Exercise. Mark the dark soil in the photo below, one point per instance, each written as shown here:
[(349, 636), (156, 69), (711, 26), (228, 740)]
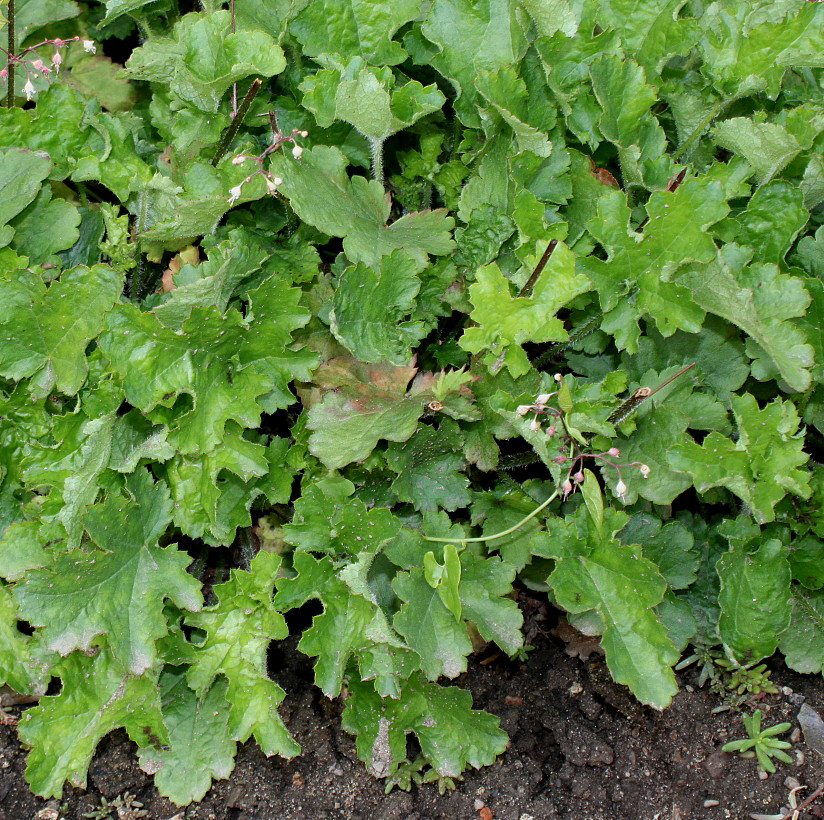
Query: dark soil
[(582, 749)]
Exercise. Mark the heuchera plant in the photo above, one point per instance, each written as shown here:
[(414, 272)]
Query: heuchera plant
[(401, 307)]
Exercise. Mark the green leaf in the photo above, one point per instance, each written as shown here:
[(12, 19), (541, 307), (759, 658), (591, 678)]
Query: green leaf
[(22, 173), (429, 468), (23, 663), (370, 307), (759, 300), (638, 276), (212, 282), (356, 209), (371, 100), (97, 76), (81, 488), (429, 627), (354, 28), (593, 499), (506, 322), (768, 147), (44, 336), (232, 367), (619, 84), (350, 626), (239, 628), (118, 590), (596, 572), (452, 735), (473, 36), (773, 218), (754, 599), (669, 547), (760, 466), (803, 641), (45, 227), (200, 745), (530, 119), (97, 696), (204, 57), (362, 406)]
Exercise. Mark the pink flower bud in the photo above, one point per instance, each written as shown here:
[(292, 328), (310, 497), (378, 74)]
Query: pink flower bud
[(559, 459), (578, 477), (38, 64), (566, 487), (614, 451), (550, 431), (4, 72)]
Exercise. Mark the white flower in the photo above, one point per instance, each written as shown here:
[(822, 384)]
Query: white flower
[(644, 468), (296, 151), (544, 398), (234, 194), (88, 45), (558, 377), (238, 160), (621, 489), (277, 180), (535, 424), (57, 60), (29, 90), (271, 185), (304, 134), (523, 409)]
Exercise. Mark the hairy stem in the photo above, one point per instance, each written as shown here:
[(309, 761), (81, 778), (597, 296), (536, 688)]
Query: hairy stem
[(376, 147)]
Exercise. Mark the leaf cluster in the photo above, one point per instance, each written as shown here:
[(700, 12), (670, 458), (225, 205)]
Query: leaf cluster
[(386, 312)]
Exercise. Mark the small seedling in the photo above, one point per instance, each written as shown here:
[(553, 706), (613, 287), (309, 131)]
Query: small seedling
[(761, 743), (743, 679)]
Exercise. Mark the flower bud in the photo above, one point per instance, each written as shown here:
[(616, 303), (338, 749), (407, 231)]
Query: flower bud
[(296, 151), (644, 468), (566, 487), (29, 90), (238, 160), (543, 398), (578, 477), (57, 60), (277, 180), (620, 488), (234, 194), (89, 46), (550, 431), (535, 424), (614, 451), (271, 186), (304, 134), (558, 377), (38, 65), (4, 72), (523, 409)]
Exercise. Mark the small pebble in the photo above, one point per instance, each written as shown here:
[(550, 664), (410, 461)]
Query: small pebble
[(796, 735), (575, 689), (791, 783), (762, 775), (708, 804), (800, 757), (526, 817), (787, 690), (478, 804), (796, 698)]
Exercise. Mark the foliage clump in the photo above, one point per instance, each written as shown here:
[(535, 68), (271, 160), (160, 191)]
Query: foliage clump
[(397, 310)]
